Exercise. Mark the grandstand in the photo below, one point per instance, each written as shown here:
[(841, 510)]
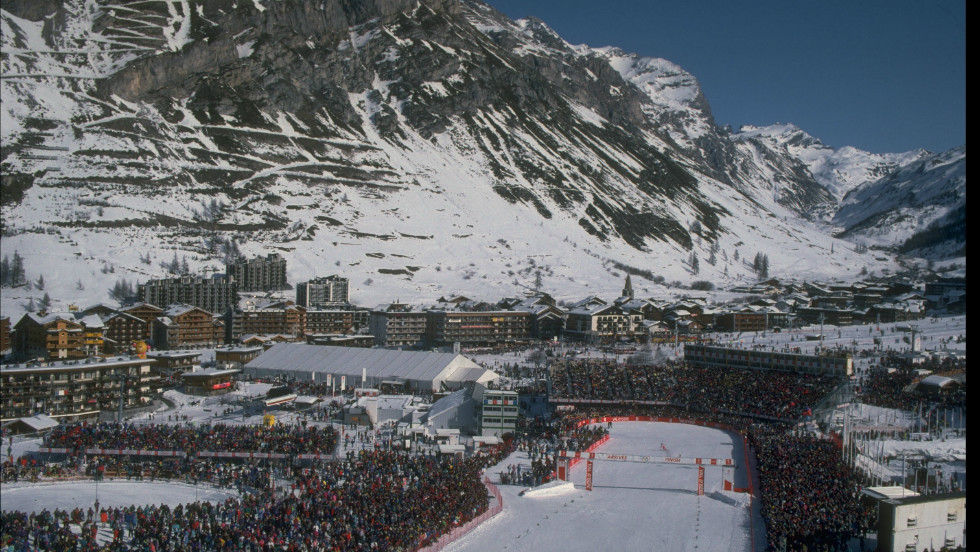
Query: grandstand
[(726, 357)]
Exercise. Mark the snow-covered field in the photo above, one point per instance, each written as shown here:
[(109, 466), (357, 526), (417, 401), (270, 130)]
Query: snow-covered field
[(26, 497)]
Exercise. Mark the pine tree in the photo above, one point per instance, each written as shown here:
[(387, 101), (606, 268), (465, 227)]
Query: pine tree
[(46, 302), (17, 275), (40, 282), (173, 266), (5, 271), (122, 290), (209, 216)]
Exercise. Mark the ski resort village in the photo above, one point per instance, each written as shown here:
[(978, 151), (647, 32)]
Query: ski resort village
[(234, 413), (414, 276)]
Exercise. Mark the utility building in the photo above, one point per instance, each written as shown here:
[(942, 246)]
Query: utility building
[(922, 523)]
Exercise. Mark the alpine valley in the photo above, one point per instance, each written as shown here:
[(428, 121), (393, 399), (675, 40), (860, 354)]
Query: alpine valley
[(420, 148)]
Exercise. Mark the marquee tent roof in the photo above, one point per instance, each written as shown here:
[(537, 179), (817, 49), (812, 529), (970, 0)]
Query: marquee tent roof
[(424, 368)]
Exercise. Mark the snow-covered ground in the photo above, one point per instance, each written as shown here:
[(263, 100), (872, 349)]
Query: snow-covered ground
[(632, 506), (26, 497)]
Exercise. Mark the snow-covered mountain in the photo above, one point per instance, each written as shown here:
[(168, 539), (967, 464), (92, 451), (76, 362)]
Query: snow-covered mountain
[(418, 147), (912, 202), (840, 170), (921, 206)]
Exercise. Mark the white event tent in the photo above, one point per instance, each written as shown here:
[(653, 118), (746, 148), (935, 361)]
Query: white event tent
[(418, 370)]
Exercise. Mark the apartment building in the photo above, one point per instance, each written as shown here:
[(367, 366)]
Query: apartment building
[(215, 294), (337, 321), (322, 292), (4, 334), (275, 318), (259, 274), (50, 336), (187, 326), (478, 327), (596, 323), (74, 389), (122, 330), (146, 312), (398, 325)]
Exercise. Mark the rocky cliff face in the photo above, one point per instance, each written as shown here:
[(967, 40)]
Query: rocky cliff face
[(378, 123)]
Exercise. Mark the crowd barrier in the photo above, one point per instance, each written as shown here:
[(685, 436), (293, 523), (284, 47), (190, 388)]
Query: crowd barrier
[(182, 454), (618, 402), (133, 452)]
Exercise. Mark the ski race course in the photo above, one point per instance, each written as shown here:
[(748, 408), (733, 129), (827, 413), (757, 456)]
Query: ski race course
[(633, 505)]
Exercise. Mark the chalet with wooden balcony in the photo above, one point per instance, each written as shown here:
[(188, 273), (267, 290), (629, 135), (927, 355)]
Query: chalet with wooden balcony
[(185, 326), (49, 336)]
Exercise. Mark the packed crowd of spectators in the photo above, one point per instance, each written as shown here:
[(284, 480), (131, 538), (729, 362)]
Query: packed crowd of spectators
[(888, 390), (375, 500), (810, 497), (894, 389), (782, 395), (286, 439)]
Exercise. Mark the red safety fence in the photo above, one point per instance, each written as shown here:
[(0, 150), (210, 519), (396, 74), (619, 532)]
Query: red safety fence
[(130, 452), (180, 453), (229, 454)]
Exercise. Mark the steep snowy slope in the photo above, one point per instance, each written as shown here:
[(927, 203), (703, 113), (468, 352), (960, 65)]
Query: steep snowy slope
[(419, 148)]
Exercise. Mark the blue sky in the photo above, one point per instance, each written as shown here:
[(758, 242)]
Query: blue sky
[(882, 76)]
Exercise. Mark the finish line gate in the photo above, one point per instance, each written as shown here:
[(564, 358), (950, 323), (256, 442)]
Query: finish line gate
[(566, 459)]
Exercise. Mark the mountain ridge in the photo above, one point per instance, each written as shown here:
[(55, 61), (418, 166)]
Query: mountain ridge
[(403, 131)]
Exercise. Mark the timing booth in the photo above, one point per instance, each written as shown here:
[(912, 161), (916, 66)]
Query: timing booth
[(209, 382)]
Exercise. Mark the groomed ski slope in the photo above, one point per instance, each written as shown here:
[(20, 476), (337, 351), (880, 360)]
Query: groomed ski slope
[(633, 506)]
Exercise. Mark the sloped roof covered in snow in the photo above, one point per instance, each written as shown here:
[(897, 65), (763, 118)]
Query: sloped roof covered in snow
[(935, 381), (450, 401), (40, 422)]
